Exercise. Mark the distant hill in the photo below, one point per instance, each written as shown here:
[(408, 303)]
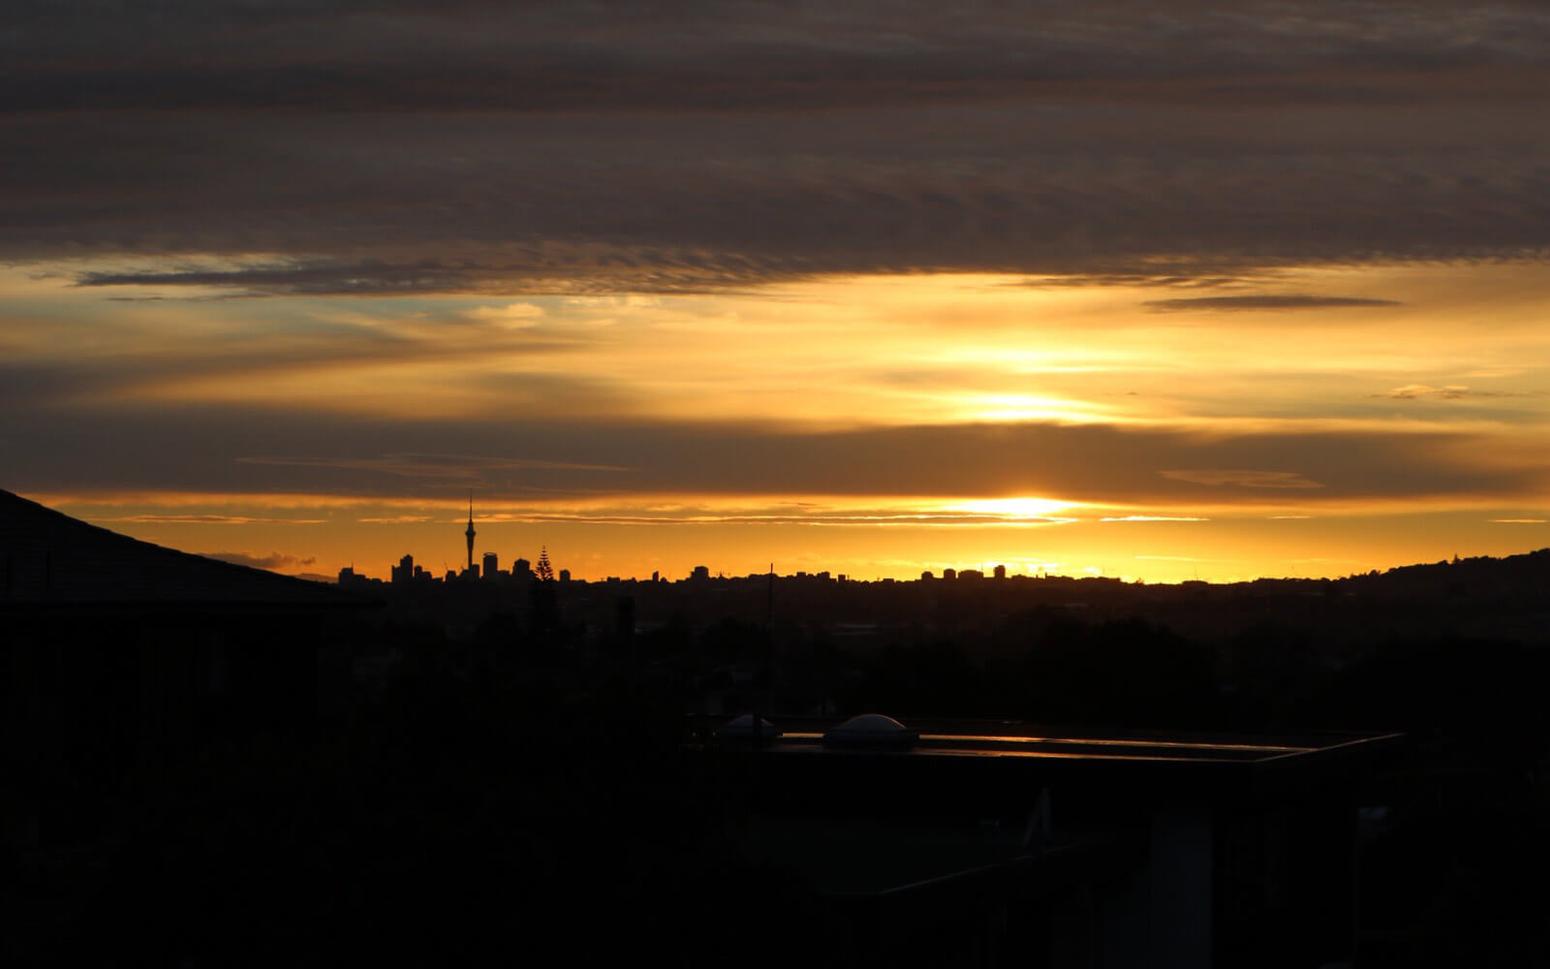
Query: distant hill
[(1513, 577), (49, 557)]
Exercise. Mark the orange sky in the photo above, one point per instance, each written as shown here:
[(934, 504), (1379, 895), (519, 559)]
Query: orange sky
[(1366, 429)]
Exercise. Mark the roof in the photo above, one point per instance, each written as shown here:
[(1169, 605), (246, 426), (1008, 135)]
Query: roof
[(48, 558), (1139, 756)]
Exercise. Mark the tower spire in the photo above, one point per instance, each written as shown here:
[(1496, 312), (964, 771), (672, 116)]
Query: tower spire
[(469, 533)]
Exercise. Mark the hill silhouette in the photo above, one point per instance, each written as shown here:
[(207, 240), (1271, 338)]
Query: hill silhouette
[(49, 557)]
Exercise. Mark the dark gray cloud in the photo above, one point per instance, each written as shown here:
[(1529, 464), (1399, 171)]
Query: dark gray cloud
[(213, 449), (1264, 302), (579, 55), (430, 467), (411, 147), (1240, 478)]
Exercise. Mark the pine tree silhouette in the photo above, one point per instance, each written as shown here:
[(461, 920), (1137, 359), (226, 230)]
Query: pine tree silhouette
[(543, 569)]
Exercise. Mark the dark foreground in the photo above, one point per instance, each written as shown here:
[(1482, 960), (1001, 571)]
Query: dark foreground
[(348, 782)]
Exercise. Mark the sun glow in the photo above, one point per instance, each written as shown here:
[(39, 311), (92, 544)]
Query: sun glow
[(870, 425), (1032, 509)]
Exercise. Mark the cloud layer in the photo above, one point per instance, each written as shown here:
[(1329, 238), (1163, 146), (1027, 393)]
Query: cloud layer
[(219, 449), (391, 148)]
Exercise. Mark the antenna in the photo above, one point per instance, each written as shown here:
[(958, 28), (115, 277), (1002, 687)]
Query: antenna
[(769, 655)]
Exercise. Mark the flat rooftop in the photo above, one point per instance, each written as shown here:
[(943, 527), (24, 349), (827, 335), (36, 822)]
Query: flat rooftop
[(961, 738), (1118, 754)]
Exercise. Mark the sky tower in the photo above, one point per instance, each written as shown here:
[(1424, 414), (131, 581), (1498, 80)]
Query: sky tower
[(469, 532)]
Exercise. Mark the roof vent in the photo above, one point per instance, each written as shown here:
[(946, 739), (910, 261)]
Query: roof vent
[(742, 728), (871, 731)]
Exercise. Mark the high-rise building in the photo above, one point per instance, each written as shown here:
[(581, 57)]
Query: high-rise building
[(404, 570), (1000, 572), (522, 569), (492, 565)]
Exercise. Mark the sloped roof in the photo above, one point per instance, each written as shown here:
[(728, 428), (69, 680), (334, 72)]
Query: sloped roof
[(48, 557)]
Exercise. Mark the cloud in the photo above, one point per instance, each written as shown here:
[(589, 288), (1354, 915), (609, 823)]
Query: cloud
[(1263, 302), (212, 520), (410, 147), (459, 467), (1520, 521), (474, 55), (1187, 274), (515, 315), (1448, 392), (1154, 518), (203, 450), (300, 277), (272, 561), (1243, 479), (781, 515)]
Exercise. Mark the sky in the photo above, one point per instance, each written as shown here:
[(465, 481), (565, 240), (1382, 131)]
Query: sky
[(1148, 291)]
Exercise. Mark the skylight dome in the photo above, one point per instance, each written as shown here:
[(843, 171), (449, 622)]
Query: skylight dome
[(871, 730)]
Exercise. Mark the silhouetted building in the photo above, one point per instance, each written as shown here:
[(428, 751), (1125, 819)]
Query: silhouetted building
[(700, 573), (949, 573), (1000, 572), (565, 576), (350, 579), (522, 569), (492, 565), (404, 571)]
